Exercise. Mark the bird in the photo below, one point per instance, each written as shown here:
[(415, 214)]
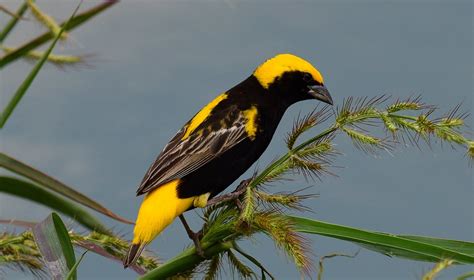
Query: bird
[(220, 143)]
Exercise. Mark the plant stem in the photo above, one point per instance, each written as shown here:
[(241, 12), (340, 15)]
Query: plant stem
[(185, 261), (404, 117)]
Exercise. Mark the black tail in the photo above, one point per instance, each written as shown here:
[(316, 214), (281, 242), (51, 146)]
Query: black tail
[(133, 254)]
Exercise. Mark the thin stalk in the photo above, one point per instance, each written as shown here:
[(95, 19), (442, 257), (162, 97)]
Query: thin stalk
[(13, 21), (45, 19)]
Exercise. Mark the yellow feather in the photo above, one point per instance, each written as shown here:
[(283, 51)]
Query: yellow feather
[(276, 66), (158, 210), (251, 124), (203, 115), (201, 201)]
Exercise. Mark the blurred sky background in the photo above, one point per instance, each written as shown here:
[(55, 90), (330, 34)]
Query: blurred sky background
[(156, 63)]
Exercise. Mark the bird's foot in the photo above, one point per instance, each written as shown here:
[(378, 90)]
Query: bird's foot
[(233, 196)]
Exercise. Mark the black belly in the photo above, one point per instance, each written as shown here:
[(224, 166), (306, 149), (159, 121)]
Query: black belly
[(221, 172)]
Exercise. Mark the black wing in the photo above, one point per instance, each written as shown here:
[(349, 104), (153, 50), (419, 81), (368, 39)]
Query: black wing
[(181, 157)]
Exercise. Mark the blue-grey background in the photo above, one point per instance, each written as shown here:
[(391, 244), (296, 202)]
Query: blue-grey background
[(156, 63)]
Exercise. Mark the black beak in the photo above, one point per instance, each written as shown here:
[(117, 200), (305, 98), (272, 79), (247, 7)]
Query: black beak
[(320, 93)]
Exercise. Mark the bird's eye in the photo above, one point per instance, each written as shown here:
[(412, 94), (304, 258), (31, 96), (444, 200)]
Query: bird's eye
[(307, 77)]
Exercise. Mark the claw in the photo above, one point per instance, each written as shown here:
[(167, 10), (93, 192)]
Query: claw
[(241, 188), (238, 203)]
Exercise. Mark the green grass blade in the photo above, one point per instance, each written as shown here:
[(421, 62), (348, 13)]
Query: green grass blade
[(54, 185), (39, 195), (72, 273), (53, 242), (29, 79), (13, 21), (45, 37), (410, 247)]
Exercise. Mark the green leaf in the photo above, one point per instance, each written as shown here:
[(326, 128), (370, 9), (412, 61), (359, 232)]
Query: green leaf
[(39, 195), (40, 40), (54, 185), (53, 241), (29, 79), (411, 247)]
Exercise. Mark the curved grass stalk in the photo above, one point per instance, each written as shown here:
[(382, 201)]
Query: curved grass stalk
[(55, 59), (13, 21), (46, 20)]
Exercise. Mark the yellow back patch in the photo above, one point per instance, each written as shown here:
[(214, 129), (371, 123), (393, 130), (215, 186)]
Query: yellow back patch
[(273, 68), (200, 117), (158, 210), (251, 124)]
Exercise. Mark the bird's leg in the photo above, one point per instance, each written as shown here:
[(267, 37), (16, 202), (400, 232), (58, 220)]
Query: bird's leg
[(194, 236), (241, 188)]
